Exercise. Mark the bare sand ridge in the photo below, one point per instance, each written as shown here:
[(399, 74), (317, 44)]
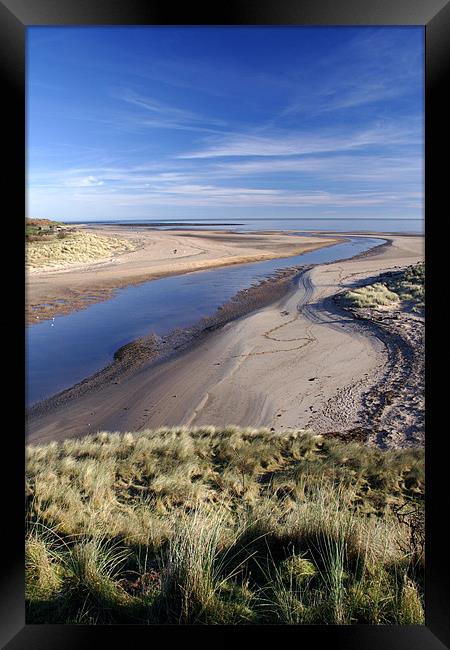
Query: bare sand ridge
[(301, 362), (157, 254)]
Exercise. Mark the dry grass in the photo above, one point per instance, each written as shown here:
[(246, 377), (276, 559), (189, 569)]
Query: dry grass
[(403, 287), (373, 295), (74, 248), (222, 526)]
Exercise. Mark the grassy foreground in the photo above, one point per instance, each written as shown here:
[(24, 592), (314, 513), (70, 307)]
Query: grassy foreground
[(223, 527)]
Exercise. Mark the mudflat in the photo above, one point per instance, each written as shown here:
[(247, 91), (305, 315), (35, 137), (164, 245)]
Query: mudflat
[(156, 254), (301, 362)]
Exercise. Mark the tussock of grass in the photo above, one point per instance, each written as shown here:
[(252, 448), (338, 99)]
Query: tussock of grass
[(405, 286), (372, 295), (74, 248), (222, 526), (43, 572)]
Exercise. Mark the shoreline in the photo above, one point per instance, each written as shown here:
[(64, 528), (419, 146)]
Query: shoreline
[(393, 407), (152, 349), (59, 292), (300, 362)]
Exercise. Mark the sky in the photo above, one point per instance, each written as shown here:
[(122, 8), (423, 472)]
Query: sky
[(225, 122)]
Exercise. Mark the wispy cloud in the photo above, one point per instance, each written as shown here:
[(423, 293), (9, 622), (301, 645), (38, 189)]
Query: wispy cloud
[(164, 115), (402, 168), (303, 143), (318, 121), (87, 181), (125, 188), (370, 69)]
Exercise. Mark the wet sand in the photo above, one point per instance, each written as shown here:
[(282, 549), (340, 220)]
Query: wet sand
[(56, 292), (299, 362)]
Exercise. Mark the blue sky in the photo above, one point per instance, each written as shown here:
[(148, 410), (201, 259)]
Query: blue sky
[(224, 122)]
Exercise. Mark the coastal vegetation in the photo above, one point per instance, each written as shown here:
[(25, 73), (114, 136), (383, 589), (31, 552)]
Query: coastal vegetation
[(372, 295), (409, 284), (41, 228), (223, 526), (406, 287), (55, 245)]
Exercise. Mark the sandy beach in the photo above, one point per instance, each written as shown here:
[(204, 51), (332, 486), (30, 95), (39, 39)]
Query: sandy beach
[(157, 254), (301, 362)]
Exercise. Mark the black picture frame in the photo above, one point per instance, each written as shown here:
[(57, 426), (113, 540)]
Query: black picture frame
[(434, 16)]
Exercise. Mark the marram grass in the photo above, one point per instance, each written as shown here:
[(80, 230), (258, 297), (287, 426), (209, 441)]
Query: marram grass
[(405, 287), (76, 248), (223, 526)]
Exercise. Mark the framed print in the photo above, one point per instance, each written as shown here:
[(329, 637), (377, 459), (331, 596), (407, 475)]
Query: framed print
[(228, 351)]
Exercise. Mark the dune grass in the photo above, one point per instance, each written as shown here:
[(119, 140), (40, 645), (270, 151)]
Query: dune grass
[(373, 295), (72, 248), (407, 286), (223, 526)]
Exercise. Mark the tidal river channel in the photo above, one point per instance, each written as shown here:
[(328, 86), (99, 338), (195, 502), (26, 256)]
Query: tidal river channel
[(62, 352)]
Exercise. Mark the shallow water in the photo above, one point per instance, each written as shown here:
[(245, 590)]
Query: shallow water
[(415, 226), (64, 351)]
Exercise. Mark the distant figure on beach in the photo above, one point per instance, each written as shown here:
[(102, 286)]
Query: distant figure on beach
[(175, 250)]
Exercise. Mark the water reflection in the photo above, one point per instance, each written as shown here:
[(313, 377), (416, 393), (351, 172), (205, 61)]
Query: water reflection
[(62, 352)]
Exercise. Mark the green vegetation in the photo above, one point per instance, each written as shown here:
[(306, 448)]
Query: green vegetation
[(41, 229), (410, 285), (223, 526), (406, 286)]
